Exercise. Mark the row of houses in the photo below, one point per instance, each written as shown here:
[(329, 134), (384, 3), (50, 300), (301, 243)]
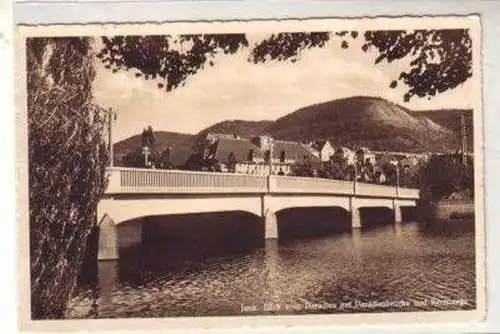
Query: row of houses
[(262, 154), (324, 150), (258, 155)]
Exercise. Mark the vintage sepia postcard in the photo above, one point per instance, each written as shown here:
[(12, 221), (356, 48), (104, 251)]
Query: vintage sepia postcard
[(250, 173)]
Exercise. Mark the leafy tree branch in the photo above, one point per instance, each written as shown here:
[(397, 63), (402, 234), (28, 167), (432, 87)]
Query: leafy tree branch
[(440, 59)]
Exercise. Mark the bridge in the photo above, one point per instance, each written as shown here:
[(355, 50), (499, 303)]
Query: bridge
[(135, 193)]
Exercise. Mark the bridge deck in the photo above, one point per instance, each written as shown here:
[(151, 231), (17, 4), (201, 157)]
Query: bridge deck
[(144, 181)]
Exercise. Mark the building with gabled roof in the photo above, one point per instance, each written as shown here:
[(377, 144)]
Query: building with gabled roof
[(324, 149), (252, 156), (292, 152)]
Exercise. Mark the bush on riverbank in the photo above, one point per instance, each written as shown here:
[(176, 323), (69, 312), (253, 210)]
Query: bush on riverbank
[(444, 176), (441, 178), (67, 159)]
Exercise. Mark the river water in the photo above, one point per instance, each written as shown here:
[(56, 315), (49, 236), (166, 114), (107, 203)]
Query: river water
[(402, 267)]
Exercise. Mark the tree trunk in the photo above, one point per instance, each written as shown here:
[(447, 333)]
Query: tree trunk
[(67, 160)]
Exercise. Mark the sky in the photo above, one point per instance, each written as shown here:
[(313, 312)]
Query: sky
[(237, 89)]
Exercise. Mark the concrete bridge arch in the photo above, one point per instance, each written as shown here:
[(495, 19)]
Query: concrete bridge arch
[(117, 211), (136, 193), (120, 210)]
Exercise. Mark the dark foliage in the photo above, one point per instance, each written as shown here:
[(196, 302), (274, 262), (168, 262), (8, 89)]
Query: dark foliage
[(304, 170), (134, 158), (445, 175), (67, 160), (195, 162), (165, 161), (440, 59), (337, 167), (137, 156), (148, 138), (163, 140), (170, 60), (286, 46)]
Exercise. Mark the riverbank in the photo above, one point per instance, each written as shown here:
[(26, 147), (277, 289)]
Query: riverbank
[(450, 209)]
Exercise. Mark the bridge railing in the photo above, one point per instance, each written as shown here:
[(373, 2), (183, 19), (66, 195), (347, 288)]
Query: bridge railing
[(367, 189), (295, 184), (154, 180), (408, 193), (134, 180)]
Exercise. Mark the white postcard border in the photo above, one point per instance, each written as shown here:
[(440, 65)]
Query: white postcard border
[(23, 31)]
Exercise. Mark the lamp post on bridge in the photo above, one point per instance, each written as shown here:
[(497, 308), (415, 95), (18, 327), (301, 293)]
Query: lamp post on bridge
[(355, 174), (111, 116), (269, 176), (146, 152), (396, 164), (271, 144)]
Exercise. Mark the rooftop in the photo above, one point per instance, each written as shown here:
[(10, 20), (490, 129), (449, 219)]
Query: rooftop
[(241, 148)]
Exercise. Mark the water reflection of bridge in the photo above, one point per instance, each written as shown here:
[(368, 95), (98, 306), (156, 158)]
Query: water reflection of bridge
[(136, 193)]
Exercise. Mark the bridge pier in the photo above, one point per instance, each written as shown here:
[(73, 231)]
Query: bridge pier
[(355, 214), (111, 237), (398, 218), (270, 219), (108, 240), (270, 225)]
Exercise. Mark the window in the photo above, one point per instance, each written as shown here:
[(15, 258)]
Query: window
[(282, 156)]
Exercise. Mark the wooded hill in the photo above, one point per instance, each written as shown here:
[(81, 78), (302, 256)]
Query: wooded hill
[(356, 121)]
